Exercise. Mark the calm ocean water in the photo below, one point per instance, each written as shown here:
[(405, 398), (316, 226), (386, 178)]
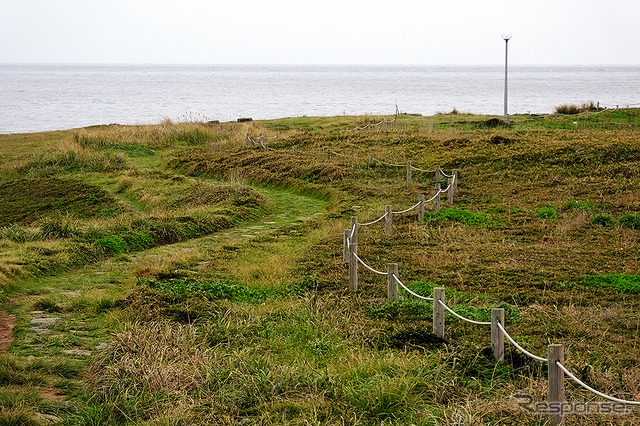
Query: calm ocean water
[(51, 97)]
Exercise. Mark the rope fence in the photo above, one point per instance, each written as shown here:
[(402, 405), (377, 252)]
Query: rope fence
[(439, 174), (369, 267), (374, 124), (395, 277), (555, 352), (460, 316), (589, 388), (450, 190), (520, 348)]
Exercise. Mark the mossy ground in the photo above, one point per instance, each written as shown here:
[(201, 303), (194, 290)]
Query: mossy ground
[(176, 274)]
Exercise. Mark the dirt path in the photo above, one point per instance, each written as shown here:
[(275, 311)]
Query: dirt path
[(288, 209), (7, 322)]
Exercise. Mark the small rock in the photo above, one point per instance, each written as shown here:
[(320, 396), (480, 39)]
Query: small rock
[(76, 352), (44, 321), (47, 418)]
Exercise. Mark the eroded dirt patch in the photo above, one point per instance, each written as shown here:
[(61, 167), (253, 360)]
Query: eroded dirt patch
[(7, 322)]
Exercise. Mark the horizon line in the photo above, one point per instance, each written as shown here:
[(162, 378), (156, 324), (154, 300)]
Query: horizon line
[(306, 64)]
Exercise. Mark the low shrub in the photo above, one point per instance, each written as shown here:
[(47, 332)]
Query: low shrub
[(114, 244), (567, 109), (630, 221), (603, 220), (576, 109), (139, 241)]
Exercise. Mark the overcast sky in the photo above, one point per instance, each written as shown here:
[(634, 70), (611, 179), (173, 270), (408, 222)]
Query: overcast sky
[(442, 32)]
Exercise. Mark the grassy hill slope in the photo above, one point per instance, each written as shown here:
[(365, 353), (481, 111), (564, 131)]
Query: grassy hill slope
[(191, 273)]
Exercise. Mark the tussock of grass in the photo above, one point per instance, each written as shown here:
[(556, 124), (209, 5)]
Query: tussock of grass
[(157, 357), (548, 212)]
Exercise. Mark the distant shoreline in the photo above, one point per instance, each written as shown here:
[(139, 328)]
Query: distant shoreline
[(55, 97)]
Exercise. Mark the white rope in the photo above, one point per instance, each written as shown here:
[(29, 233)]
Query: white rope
[(444, 174), (410, 292), (433, 198), (375, 221), (258, 142), (520, 348), (442, 191), (367, 266), (374, 125), (589, 388), (420, 170), (409, 209), (353, 230), (403, 211), (388, 164), (460, 316)]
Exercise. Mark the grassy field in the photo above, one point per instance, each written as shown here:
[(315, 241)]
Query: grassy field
[(179, 274)]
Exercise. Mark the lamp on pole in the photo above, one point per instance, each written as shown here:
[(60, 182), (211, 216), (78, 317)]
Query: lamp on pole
[(506, 36)]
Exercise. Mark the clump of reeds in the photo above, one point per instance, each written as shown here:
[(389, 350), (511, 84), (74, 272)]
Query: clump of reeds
[(576, 109)]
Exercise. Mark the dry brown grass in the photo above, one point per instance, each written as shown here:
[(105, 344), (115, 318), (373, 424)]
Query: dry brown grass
[(152, 357)]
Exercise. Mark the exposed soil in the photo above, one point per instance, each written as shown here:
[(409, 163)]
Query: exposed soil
[(7, 322)]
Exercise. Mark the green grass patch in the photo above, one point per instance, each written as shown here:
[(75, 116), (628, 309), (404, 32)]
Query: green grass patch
[(582, 206), (403, 309), (455, 214), (135, 150), (227, 290), (548, 212), (624, 283)]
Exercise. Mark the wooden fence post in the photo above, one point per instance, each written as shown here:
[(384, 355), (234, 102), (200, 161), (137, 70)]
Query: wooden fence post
[(436, 201), (497, 338), (409, 172), (345, 245), (454, 172), (438, 312), (388, 220), (392, 287), (450, 189), (438, 174), (354, 226), (353, 267), (421, 199), (556, 383)]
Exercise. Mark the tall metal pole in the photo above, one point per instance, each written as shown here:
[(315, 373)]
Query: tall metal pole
[(506, 36), (506, 85)]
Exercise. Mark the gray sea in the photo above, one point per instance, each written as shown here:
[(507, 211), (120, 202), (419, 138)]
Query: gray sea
[(52, 97)]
